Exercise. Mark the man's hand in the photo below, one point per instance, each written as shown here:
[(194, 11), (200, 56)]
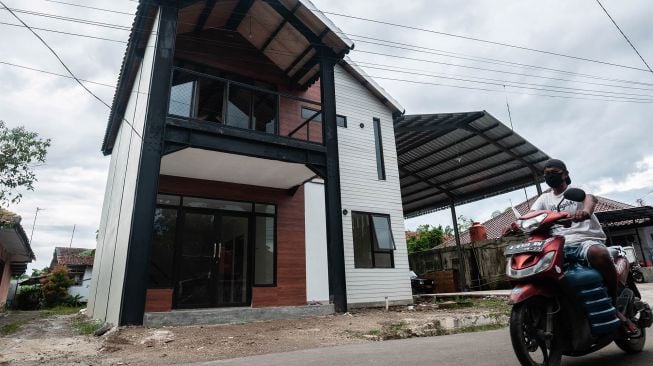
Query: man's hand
[(581, 215)]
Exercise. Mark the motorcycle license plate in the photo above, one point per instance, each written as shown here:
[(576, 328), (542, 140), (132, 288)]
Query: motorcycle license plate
[(530, 247)]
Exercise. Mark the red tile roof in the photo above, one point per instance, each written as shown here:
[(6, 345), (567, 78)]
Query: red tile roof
[(72, 256), (496, 225)]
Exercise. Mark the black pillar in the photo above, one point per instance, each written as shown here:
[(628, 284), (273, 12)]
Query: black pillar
[(138, 254), (538, 186), (459, 249), (335, 246)]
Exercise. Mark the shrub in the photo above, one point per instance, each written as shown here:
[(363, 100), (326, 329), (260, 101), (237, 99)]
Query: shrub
[(28, 297), (55, 286)]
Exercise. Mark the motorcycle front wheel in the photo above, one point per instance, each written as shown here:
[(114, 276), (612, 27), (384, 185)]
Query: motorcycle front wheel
[(530, 341)]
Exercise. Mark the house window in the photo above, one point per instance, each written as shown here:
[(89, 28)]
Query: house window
[(181, 99), (251, 109), (380, 165), (77, 274), (373, 241), (307, 113), (264, 254)]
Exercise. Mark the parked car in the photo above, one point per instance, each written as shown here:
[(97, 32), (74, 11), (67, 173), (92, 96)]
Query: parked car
[(421, 285)]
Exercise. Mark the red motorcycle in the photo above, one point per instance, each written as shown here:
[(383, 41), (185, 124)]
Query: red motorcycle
[(560, 305)]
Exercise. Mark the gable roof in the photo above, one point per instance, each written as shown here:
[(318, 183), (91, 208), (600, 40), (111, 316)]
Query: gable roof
[(307, 19), (72, 257), (13, 237), (496, 225)]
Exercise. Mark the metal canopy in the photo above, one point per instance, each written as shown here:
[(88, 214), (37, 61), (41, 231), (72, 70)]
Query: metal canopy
[(457, 158), (631, 217)]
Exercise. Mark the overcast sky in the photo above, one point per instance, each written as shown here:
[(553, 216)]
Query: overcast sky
[(606, 144)]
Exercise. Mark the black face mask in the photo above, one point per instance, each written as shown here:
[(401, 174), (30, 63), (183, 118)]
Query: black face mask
[(553, 180)]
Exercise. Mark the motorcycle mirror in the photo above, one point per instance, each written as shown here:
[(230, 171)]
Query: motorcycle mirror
[(575, 194)]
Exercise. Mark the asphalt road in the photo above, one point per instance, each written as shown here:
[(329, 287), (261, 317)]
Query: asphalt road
[(483, 348)]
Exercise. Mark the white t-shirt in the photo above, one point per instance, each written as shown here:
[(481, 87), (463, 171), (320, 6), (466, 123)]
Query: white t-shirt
[(578, 231)]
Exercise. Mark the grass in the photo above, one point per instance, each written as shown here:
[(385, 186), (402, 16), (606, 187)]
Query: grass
[(10, 328), (61, 310), (86, 326)]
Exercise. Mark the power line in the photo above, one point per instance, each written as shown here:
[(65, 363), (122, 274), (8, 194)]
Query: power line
[(67, 33), (471, 58), (503, 81), (393, 24), (499, 82), (624, 34), (391, 44), (481, 40), (64, 64), (501, 91)]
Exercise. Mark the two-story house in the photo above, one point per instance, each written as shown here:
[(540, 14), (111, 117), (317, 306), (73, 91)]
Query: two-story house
[(253, 166)]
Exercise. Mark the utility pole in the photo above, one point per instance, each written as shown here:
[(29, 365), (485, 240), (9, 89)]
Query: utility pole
[(34, 223), (72, 236)]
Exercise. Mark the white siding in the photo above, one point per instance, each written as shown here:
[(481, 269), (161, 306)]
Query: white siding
[(361, 190), (115, 227), (317, 266)]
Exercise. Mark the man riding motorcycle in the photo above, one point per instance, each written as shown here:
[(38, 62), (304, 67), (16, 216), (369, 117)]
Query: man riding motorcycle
[(585, 232)]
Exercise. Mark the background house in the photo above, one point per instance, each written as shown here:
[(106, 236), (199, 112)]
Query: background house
[(79, 262), (15, 251)]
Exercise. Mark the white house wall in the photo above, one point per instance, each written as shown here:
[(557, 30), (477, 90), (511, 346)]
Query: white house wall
[(115, 227), (83, 289), (317, 265), (361, 190)]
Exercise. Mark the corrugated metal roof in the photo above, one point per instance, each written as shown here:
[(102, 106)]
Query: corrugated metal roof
[(633, 216), (460, 157)]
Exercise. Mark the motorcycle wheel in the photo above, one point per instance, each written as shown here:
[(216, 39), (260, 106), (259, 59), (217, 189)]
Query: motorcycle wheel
[(527, 327), (633, 345), (638, 277)]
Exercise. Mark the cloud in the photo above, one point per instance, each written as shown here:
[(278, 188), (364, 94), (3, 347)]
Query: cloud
[(641, 178)]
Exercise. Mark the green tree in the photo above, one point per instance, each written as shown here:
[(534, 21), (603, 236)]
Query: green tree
[(464, 223), (20, 152), (426, 237), (55, 286)]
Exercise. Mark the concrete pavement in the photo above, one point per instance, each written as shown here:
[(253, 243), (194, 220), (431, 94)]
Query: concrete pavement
[(483, 348)]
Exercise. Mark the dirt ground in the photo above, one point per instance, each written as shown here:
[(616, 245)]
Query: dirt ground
[(51, 340)]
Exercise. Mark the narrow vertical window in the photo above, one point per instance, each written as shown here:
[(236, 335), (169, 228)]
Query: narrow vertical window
[(380, 165)]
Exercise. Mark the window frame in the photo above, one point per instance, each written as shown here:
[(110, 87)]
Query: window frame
[(374, 249), (378, 144)]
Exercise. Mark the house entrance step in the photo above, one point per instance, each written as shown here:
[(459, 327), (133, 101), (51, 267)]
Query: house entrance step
[(233, 315)]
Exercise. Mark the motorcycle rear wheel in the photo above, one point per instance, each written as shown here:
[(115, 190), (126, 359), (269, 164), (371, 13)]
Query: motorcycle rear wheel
[(527, 325), (633, 345)]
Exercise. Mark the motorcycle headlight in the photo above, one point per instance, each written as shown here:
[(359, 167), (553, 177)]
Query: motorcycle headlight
[(542, 265), (528, 225)]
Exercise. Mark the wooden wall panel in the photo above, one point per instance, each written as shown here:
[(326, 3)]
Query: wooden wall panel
[(158, 300)]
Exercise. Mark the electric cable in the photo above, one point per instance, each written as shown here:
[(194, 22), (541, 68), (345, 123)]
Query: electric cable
[(64, 64), (625, 36)]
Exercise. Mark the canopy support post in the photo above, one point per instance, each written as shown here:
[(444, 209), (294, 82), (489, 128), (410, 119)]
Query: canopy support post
[(461, 259)]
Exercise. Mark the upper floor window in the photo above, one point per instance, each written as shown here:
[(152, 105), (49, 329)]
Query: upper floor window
[(380, 164), (373, 240), (307, 113)]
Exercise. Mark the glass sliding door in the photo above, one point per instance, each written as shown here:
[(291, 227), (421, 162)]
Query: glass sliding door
[(231, 284), (196, 261)]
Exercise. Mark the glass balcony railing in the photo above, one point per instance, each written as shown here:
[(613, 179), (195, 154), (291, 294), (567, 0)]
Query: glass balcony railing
[(213, 99)]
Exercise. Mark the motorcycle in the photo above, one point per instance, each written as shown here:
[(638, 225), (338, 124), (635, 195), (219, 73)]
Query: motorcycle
[(560, 306)]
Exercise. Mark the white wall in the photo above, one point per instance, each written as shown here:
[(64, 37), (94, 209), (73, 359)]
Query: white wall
[(83, 289), (105, 296), (317, 266), (362, 191)]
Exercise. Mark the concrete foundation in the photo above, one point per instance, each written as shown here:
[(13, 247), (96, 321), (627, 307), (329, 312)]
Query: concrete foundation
[(233, 315)]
